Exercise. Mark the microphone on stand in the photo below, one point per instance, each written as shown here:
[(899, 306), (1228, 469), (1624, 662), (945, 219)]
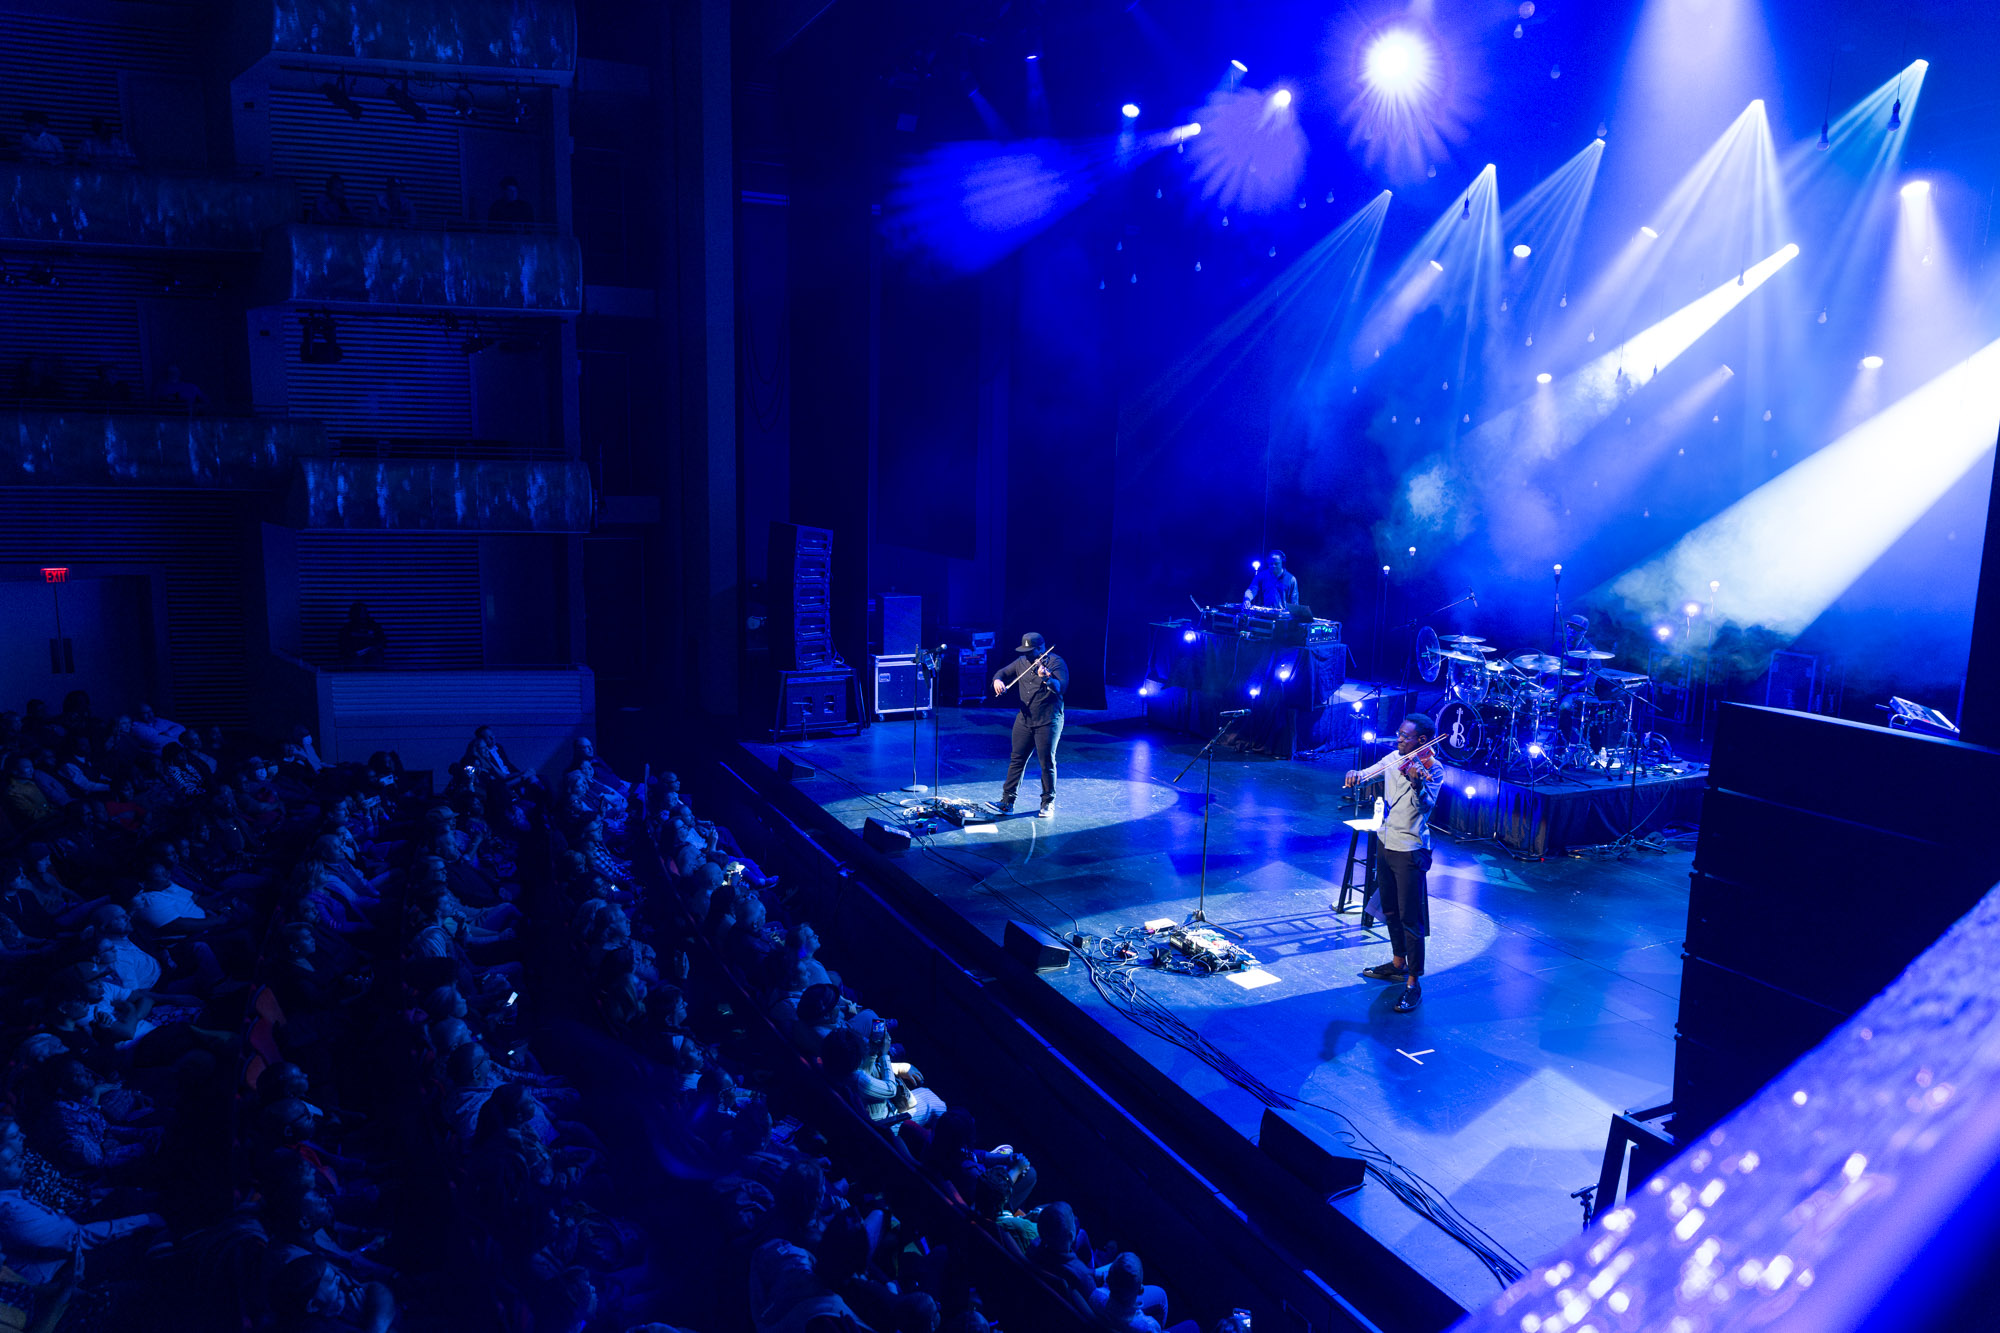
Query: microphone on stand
[(1474, 596), (1235, 712)]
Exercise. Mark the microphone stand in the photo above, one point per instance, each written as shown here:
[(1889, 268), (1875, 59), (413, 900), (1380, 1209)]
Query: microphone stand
[(916, 784), (1207, 752)]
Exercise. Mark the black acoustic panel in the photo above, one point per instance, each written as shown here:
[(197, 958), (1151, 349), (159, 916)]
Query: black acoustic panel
[(1324, 1173), (1857, 772), (1031, 950)]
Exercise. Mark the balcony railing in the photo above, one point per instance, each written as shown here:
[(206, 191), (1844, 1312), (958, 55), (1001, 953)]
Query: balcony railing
[(92, 447), (88, 205), (520, 35), (461, 270), (416, 496)]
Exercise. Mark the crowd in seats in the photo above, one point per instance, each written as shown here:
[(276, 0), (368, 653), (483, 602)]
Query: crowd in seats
[(391, 206), (299, 1045), (103, 148)]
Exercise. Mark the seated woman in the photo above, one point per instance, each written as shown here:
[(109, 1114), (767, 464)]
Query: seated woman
[(860, 1066)]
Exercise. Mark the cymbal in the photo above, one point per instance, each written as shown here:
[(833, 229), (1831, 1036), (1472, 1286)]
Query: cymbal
[(1594, 654), (1569, 674), (1454, 655), (1502, 665), (1460, 638), (1538, 662)]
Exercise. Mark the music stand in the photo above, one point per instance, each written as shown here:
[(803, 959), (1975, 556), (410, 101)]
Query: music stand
[(1207, 751)]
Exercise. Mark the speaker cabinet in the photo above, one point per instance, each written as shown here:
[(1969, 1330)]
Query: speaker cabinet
[(1031, 950), (891, 842), (1322, 1172)]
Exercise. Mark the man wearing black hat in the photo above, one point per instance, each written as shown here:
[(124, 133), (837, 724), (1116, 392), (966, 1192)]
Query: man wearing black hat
[(1040, 678)]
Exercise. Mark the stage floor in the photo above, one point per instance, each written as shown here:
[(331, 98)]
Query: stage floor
[(1550, 1002)]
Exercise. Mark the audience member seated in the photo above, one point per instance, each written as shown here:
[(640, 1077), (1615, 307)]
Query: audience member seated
[(332, 208), (362, 641), (180, 393), (393, 208), (510, 208), (105, 148), (38, 142)]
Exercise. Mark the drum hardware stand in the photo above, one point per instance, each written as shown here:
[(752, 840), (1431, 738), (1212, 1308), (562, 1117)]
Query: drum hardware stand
[(1200, 912)]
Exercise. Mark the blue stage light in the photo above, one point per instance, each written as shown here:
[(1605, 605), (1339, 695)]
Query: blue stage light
[(1871, 363), (1522, 251), (1130, 110), (1189, 636), (1284, 673), (1649, 233), (1146, 689), (1256, 564), (1916, 189), (1439, 267), (1471, 790), (1534, 750), (1664, 631), (1241, 68), (1368, 737), (1398, 63), (1256, 690), (1357, 705), (1691, 610), (1282, 98)]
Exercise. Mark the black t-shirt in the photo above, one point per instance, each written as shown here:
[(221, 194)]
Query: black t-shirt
[(1041, 697)]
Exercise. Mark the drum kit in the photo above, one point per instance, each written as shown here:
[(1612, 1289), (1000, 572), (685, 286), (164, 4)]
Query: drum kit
[(1535, 713)]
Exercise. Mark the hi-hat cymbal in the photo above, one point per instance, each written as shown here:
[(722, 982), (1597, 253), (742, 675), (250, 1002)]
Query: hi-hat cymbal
[(1460, 638), (1454, 655), (1594, 654), (1538, 662)]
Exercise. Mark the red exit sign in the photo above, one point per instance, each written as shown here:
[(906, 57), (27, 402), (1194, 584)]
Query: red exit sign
[(55, 573)]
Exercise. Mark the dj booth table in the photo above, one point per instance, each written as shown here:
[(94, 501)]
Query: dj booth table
[(1293, 691)]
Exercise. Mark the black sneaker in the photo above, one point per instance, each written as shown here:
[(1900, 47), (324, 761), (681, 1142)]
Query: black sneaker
[(1408, 1001), (1001, 807), (1386, 972)]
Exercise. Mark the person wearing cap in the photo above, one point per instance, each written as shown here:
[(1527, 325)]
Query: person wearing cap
[(1040, 679)]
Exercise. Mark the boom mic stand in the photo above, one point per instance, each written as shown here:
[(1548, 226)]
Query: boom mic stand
[(1207, 752)]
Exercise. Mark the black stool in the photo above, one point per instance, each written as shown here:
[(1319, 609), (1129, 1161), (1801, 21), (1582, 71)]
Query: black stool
[(1362, 848)]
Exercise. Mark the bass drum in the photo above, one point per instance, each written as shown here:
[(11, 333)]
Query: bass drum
[(1461, 733)]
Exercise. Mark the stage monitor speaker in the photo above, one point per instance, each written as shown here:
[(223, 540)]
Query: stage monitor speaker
[(1030, 950), (893, 842), (791, 770), (1322, 1172)]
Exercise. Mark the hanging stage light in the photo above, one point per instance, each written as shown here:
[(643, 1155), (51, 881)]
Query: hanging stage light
[(405, 103), (335, 91)]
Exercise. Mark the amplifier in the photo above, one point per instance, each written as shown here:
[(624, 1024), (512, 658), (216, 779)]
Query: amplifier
[(958, 636), (814, 702)]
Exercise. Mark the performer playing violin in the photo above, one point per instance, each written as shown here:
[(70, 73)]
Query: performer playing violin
[(1412, 778), (1040, 679)]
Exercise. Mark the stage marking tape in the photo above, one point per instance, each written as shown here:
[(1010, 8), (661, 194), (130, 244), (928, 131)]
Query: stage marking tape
[(1412, 1055)]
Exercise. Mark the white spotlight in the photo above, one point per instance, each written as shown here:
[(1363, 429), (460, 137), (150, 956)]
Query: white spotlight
[(1130, 110), (1649, 233), (1281, 98), (1916, 189), (1871, 363), (1691, 609), (1439, 267), (1398, 63), (1522, 251), (1544, 377), (1241, 68)]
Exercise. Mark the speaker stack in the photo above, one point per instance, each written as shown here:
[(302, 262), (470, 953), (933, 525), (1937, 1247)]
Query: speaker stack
[(816, 690)]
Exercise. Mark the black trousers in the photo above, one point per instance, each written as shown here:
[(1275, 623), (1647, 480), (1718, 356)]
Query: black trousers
[(1041, 742), (1402, 879)]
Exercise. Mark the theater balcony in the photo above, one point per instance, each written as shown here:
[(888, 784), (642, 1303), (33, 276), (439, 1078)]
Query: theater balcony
[(442, 495), (524, 38), (381, 268), (90, 446), (81, 206)]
